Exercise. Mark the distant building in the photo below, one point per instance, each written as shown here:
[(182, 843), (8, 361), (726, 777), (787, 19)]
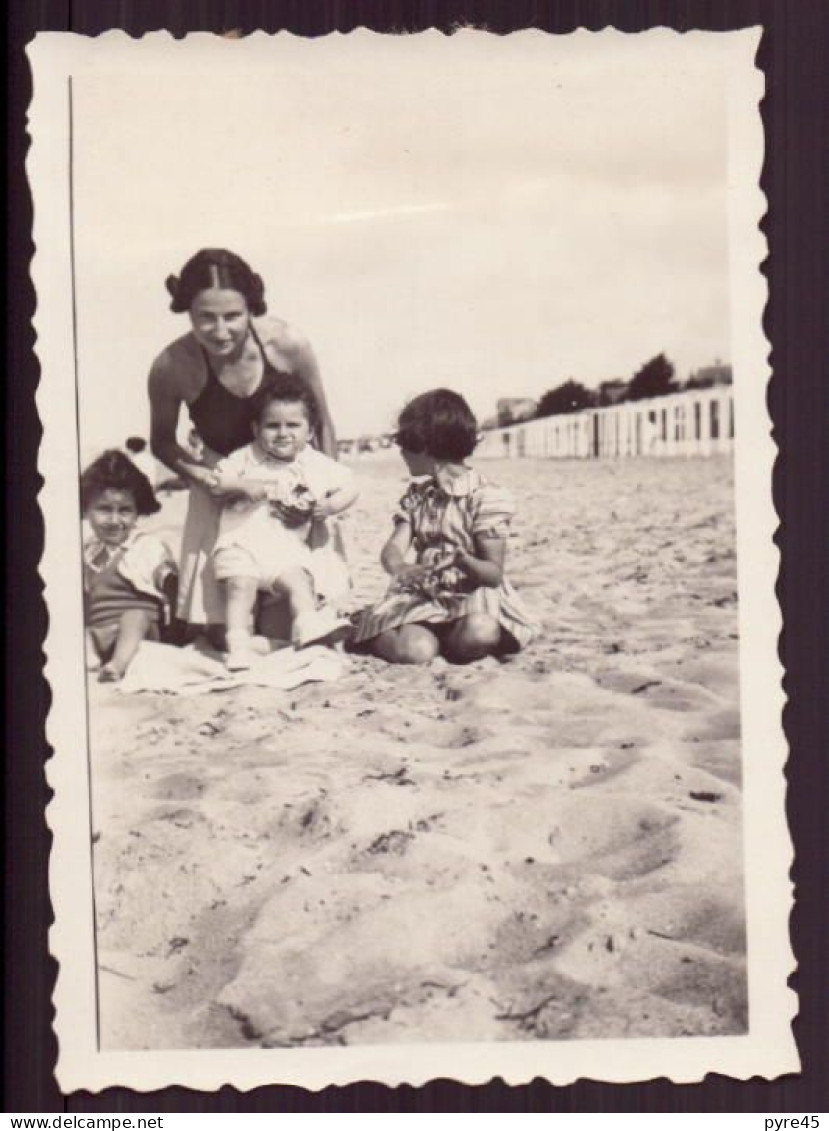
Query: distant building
[(711, 376), (512, 410), (689, 422), (613, 391)]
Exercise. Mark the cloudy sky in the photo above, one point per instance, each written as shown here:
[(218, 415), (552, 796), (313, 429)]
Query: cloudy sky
[(493, 214)]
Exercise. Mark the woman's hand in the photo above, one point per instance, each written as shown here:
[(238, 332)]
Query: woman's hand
[(203, 476)]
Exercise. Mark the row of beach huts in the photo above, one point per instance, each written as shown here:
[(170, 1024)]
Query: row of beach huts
[(693, 422)]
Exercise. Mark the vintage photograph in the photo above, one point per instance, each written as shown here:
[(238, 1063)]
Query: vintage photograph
[(395, 434)]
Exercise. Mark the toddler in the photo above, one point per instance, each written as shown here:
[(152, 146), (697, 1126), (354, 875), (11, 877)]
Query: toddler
[(276, 494)]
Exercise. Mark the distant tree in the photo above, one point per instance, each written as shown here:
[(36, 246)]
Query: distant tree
[(569, 397), (505, 416), (654, 379)]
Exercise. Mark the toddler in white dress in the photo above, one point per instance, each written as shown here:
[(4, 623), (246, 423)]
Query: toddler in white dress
[(274, 491)]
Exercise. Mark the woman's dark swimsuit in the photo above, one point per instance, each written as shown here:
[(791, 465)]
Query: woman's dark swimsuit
[(222, 419)]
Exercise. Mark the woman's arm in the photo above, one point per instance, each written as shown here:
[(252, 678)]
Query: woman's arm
[(230, 486), (307, 367), (165, 403)]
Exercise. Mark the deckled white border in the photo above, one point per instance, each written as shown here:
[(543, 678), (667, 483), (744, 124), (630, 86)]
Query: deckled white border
[(768, 1050)]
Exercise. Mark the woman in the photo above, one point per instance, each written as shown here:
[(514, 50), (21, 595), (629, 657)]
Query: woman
[(219, 370)]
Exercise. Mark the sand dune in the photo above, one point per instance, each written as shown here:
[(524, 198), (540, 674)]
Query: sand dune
[(548, 847)]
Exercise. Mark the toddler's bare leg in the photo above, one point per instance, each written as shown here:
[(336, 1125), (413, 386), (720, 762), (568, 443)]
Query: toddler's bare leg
[(472, 638), (410, 644), (133, 628), (240, 600)]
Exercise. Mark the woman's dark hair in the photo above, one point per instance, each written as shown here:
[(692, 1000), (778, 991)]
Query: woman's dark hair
[(113, 471), (211, 268), (289, 389), (439, 423)]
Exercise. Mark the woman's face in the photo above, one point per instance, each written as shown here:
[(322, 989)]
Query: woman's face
[(220, 320)]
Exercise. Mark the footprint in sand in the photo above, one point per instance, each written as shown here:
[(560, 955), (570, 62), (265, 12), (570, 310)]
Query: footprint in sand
[(179, 787), (631, 840)]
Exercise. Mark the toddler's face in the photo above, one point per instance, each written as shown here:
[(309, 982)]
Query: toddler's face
[(112, 515), (283, 429)]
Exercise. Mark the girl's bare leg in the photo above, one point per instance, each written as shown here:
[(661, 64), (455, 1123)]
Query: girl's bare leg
[(93, 660), (298, 587), (410, 644), (240, 597), (472, 638), (309, 624), (133, 628), (274, 618)]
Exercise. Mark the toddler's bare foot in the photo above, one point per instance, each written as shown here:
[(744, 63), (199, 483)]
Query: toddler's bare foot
[(322, 626), (110, 673), (238, 651)]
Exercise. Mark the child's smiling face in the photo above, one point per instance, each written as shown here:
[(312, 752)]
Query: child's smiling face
[(112, 515), (283, 429)]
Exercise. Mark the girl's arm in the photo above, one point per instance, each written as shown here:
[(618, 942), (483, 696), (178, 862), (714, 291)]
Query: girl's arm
[(393, 554), (486, 566)]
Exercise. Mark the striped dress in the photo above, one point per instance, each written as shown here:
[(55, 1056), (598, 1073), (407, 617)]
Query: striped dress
[(443, 519)]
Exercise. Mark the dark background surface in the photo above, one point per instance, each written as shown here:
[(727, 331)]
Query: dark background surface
[(794, 56)]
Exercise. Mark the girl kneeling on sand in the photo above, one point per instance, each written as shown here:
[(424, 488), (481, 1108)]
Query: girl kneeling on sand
[(455, 599), (129, 577), (276, 494)]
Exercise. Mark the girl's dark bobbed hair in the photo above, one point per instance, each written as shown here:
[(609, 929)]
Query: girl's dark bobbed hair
[(439, 423), (214, 268), (113, 471)]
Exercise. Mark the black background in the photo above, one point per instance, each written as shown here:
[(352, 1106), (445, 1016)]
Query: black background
[(794, 57)]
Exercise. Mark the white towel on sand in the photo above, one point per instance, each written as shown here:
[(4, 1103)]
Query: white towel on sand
[(193, 671)]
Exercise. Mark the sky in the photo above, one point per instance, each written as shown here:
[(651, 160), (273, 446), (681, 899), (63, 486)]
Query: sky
[(496, 216)]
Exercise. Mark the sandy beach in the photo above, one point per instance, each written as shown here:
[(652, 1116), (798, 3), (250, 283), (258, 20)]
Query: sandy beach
[(546, 847)]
